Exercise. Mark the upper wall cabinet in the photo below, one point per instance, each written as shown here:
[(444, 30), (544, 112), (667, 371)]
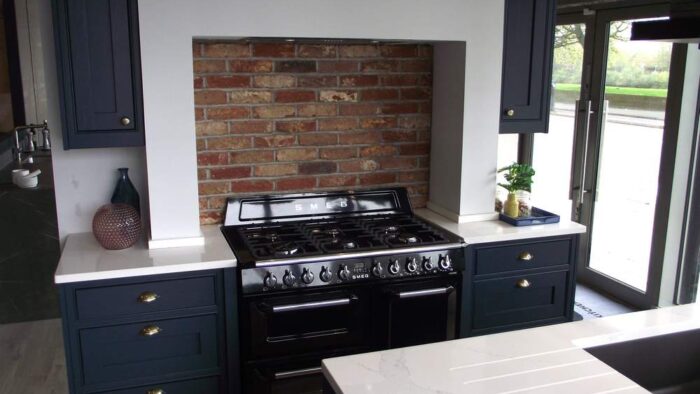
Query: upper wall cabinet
[(99, 69), (527, 65)]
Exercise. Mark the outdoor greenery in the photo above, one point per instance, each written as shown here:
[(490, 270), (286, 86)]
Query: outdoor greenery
[(646, 92), (518, 177)]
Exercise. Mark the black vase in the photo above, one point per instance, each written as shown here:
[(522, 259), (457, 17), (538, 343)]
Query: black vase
[(125, 192)]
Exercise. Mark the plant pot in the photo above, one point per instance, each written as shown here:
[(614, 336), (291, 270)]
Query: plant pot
[(511, 206)]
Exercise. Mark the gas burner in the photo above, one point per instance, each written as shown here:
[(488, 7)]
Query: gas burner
[(267, 237), (405, 238), (331, 231), (286, 249), (345, 243), (390, 229)]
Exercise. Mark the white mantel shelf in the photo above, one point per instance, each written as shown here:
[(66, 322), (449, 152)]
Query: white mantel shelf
[(83, 259), (546, 359)]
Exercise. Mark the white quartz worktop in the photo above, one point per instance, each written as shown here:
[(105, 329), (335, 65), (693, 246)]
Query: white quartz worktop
[(496, 230), (83, 259), (546, 359)]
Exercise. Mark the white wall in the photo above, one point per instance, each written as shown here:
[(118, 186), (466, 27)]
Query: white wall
[(168, 26)]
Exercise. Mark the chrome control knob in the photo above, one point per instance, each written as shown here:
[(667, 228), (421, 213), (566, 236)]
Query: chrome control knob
[(288, 278), (428, 263), (377, 269), (445, 262), (270, 280), (325, 274), (394, 267), (307, 276), (411, 264), (344, 273)]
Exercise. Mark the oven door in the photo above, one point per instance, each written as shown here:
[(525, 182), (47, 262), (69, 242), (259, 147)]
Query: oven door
[(417, 312), (308, 322)]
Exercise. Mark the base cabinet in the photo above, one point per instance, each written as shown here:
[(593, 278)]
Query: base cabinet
[(518, 284), (171, 333)]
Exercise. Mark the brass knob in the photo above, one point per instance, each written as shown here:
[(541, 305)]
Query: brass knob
[(155, 391), (526, 256), (147, 297), (510, 112), (125, 121), (150, 331), (523, 283)]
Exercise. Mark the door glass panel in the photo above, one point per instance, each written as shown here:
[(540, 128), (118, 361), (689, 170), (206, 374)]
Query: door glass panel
[(636, 82), (552, 152)]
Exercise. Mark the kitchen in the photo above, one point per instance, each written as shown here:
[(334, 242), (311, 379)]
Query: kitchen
[(463, 145)]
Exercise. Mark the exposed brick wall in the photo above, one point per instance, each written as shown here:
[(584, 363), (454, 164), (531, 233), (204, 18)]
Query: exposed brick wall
[(285, 117)]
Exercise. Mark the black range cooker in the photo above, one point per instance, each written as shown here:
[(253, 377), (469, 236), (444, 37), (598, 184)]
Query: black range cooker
[(329, 274)]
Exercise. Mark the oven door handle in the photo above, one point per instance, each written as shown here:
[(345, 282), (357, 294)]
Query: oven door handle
[(425, 292), (297, 372), (308, 305)]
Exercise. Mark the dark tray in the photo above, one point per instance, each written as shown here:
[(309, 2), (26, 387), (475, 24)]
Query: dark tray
[(538, 216)]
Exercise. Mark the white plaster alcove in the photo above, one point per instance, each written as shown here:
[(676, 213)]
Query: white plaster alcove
[(466, 89)]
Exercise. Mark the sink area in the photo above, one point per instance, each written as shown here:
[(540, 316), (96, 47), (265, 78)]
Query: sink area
[(661, 364)]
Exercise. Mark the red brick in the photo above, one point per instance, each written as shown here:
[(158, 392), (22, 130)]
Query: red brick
[(295, 183), (423, 135), (358, 51), (228, 81), (211, 128), (414, 122), (217, 202), (399, 136), (367, 137), (206, 97), (425, 108), (265, 49), (398, 50), (274, 111), (222, 113), (393, 163), (202, 174), (337, 124), (251, 126), (359, 80), (379, 94), (198, 113), (338, 153), (360, 109), (295, 96), (212, 159), (295, 126), (250, 66), (416, 93), (337, 66), (228, 143), (414, 176), (198, 83), (419, 189), (252, 156), (296, 154), (251, 186), (317, 167), (338, 95), (414, 149), (378, 150), (201, 144), (418, 65), (230, 172), (274, 141), (312, 110), (406, 80), (274, 81), (196, 50), (211, 217), (425, 50), (378, 123), (317, 81), (337, 180), (209, 66), (400, 108), (380, 65), (276, 170), (225, 49), (363, 165), (316, 51), (318, 139), (418, 201), (295, 66), (250, 97), (203, 203), (376, 178), (209, 188)]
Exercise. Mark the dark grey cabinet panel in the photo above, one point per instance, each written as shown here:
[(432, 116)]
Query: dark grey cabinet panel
[(198, 386), (522, 255), (100, 73), (527, 65)]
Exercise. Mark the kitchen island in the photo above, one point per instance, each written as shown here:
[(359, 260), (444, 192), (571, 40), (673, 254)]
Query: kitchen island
[(547, 359)]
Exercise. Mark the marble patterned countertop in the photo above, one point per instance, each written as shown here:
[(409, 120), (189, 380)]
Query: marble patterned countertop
[(83, 259), (546, 359)]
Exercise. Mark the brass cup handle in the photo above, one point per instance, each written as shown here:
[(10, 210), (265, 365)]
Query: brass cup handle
[(147, 297), (125, 121), (526, 256), (523, 283), (510, 112), (150, 331), (155, 391)]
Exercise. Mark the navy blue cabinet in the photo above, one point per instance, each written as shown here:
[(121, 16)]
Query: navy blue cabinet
[(98, 58), (518, 284), (174, 332), (528, 45)]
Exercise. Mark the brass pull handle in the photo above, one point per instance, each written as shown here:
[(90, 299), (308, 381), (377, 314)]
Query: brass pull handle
[(155, 391), (150, 331), (147, 297), (510, 112), (523, 283), (526, 256), (125, 121)]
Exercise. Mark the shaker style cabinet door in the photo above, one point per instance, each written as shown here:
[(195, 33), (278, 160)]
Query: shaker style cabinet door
[(527, 65), (100, 73)]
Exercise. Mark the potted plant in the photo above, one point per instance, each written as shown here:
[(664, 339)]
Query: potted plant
[(518, 177)]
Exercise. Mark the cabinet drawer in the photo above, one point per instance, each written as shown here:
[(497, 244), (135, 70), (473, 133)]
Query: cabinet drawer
[(511, 300), (195, 386), (521, 256), (127, 351), (146, 297)]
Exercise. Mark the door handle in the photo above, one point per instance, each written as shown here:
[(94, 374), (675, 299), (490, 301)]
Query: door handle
[(309, 305), (582, 121), (297, 372), (423, 293)]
